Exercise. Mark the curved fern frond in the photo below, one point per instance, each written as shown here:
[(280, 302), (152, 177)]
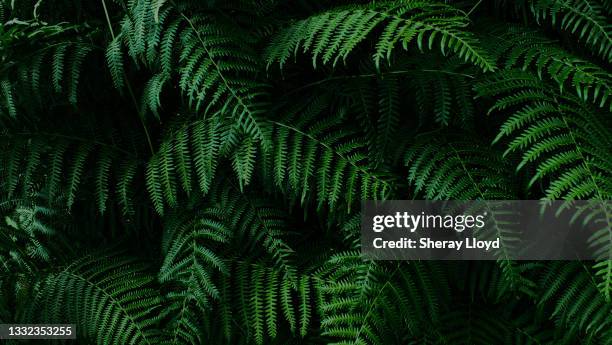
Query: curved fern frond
[(518, 47), (316, 158), (217, 72), (191, 263), (63, 169), (446, 169), (25, 236), (56, 57), (258, 221), (260, 313), (583, 18), (361, 300), (333, 35), (571, 296), (114, 60), (111, 298), (188, 158), (566, 141)]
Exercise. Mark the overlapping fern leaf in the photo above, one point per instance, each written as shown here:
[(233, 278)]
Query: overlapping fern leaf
[(165, 128), (112, 298), (322, 159), (188, 157), (567, 142), (266, 300), (56, 59), (528, 49), (25, 239), (460, 169), (572, 295), (442, 168), (362, 300), (57, 162), (199, 247), (333, 35), (217, 67), (191, 265), (585, 19)]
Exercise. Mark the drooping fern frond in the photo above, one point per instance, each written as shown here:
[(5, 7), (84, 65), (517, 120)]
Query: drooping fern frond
[(9, 98), (56, 58), (391, 103), (323, 166), (57, 163), (114, 60), (389, 113), (201, 240), (112, 299), (335, 34), (266, 299), (442, 90), (217, 69), (186, 244), (571, 296), (25, 237), (188, 157), (554, 131), (191, 266), (449, 169), (258, 221), (567, 142), (316, 158), (583, 18), (364, 302), (517, 47), (460, 169)]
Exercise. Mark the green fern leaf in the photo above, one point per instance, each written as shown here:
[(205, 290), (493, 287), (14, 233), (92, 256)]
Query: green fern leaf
[(420, 21)]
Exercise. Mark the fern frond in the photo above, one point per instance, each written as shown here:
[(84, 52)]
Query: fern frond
[(38, 52), (216, 74), (443, 168), (447, 169), (388, 120), (583, 18), (261, 316), (572, 297), (189, 153), (361, 299), (102, 178), (565, 140), (25, 235), (9, 99), (336, 33), (191, 265), (257, 220), (528, 49), (323, 161), (112, 299), (114, 59), (59, 164), (76, 172)]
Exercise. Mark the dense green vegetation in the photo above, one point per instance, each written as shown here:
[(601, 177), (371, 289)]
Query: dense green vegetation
[(190, 172)]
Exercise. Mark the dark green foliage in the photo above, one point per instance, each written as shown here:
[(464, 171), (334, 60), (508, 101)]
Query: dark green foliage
[(188, 172), (320, 154), (111, 298), (336, 33)]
